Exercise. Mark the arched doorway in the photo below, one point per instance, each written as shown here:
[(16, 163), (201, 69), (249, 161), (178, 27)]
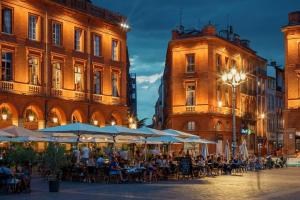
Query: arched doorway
[(76, 117), (56, 117), (8, 115), (33, 118), (97, 119)]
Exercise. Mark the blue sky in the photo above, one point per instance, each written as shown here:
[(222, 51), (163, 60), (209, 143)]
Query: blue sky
[(152, 21)]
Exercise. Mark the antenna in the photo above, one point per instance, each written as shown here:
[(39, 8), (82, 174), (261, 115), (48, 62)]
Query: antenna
[(181, 27), (180, 17)]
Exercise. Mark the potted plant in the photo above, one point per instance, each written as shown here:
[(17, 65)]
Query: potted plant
[(55, 159)]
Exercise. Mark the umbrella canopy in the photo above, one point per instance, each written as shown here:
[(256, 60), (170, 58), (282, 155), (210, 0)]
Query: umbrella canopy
[(227, 151), (23, 132), (5, 134), (76, 128), (120, 130), (165, 140), (153, 132), (180, 134), (204, 151), (5, 139), (198, 140), (31, 139)]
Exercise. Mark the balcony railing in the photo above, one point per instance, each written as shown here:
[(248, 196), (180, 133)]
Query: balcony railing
[(190, 109), (97, 98), (20, 88), (7, 86), (115, 100), (68, 94)]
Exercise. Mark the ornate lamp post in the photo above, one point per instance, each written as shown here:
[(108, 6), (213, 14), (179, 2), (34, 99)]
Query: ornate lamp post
[(233, 78)]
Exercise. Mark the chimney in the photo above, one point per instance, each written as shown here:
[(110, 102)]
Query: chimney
[(175, 34), (294, 18), (209, 30)]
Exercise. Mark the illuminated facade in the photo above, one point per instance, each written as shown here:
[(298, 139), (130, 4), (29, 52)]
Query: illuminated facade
[(193, 97), (62, 61), (292, 75)]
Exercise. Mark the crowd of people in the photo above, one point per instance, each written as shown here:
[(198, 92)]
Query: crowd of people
[(95, 165)]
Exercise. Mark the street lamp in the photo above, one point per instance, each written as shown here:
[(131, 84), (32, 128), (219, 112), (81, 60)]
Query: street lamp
[(233, 78)]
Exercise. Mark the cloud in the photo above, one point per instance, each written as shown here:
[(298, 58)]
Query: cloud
[(149, 79)]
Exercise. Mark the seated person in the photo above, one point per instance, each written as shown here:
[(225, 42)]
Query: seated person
[(115, 169), (150, 168)]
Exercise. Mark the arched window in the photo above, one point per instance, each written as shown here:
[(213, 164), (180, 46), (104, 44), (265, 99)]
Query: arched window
[(191, 126), (75, 119)]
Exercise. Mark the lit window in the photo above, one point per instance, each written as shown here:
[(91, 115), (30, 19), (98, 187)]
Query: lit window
[(7, 20), (227, 97), (115, 50), (78, 78), (78, 39), (6, 68), (219, 95), (191, 126), (57, 76), (115, 85), (32, 35), (97, 82), (97, 45), (190, 95), (190, 59), (56, 34), (33, 63), (219, 62)]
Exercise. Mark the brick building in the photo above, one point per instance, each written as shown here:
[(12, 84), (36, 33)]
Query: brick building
[(62, 61), (192, 96), (292, 75)]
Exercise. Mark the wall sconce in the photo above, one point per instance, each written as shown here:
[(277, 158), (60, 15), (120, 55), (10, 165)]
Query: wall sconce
[(130, 119), (55, 120), (4, 116), (31, 117), (95, 122), (220, 104)]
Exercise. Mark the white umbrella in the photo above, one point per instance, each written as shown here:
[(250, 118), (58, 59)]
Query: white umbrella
[(227, 151), (204, 151), (244, 150), (5, 134), (153, 133), (180, 134), (23, 132)]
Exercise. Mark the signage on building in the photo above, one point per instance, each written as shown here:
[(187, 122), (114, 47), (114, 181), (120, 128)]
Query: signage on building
[(246, 131)]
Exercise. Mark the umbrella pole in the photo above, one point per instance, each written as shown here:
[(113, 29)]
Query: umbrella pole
[(145, 148), (114, 144)]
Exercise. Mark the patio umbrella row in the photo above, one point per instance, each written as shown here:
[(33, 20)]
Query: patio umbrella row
[(79, 132)]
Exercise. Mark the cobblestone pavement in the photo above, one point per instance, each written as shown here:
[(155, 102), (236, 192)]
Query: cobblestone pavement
[(273, 184)]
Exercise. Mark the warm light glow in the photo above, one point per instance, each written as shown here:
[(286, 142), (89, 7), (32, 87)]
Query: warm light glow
[(237, 78), (224, 77), (220, 103), (262, 115), (133, 126), (55, 120), (233, 71), (31, 117), (130, 120), (113, 123), (229, 76), (95, 122), (243, 76), (4, 116), (124, 25)]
